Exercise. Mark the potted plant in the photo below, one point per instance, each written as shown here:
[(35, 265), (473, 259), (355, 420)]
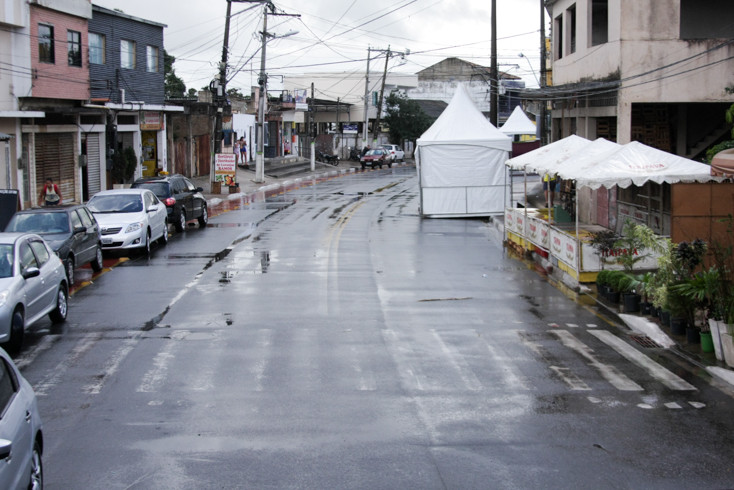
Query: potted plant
[(603, 244), (703, 289), (124, 164), (602, 283), (644, 289), (615, 280), (628, 286)]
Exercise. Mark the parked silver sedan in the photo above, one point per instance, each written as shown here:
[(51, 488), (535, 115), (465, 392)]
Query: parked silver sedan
[(21, 430), (32, 284), (130, 219)]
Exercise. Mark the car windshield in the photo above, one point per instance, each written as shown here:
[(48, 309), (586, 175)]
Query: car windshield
[(160, 189), (116, 203), (375, 152), (6, 260), (42, 223)]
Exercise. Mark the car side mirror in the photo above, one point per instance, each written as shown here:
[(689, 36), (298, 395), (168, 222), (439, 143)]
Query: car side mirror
[(199, 189), (31, 272), (79, 229)]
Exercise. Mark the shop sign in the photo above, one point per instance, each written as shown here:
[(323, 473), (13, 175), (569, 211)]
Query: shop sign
[(151, 121), (349, 128), (225, 168), (301, 99)]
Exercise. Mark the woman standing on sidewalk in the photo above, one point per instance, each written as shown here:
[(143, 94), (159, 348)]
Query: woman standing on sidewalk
[(236, 150)]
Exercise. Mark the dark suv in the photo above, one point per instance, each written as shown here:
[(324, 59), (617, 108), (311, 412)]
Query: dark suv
[(70, 230), (183, 201)]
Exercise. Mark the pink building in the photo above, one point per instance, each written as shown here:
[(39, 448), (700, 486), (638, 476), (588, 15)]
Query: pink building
[(59, 56)]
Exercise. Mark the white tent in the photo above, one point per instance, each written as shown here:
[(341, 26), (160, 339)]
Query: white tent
[(460, 161), (518, 123), (548, 157)]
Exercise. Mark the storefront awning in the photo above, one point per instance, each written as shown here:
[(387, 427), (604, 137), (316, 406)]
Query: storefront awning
[(722, 164)]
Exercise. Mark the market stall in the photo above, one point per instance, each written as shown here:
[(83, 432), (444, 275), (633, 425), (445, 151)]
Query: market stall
[(592, 165)]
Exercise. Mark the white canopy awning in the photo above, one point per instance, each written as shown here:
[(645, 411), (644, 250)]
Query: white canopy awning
[(549, 156), (602, 163)]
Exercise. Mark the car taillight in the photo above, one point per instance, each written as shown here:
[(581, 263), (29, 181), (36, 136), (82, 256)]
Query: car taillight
[(169, 201)]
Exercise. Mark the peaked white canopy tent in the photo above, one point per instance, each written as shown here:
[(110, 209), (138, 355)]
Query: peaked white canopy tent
[(461, 163), (596, 164), (518, 123)]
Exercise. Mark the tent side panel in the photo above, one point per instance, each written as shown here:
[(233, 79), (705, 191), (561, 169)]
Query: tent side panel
[(444, 201), (461, 166), (486, 200)]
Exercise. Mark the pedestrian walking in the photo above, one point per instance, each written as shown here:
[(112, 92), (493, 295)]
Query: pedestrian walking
[(243, 150), (50, 194), (236, 150)]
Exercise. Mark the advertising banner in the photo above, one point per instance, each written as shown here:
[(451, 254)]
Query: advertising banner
[(225, 168)]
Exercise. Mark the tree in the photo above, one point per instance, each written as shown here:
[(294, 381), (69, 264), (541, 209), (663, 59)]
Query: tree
[(724, 145), (173, 85), (234, 93), (406, 119)]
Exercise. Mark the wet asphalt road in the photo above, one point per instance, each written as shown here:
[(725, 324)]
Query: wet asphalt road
[(343, 342)]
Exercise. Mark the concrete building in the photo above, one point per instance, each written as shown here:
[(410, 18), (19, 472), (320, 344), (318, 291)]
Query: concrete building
[(438, 83), (656, 71)]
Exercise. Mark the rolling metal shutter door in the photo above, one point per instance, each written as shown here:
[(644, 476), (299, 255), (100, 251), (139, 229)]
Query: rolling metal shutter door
[(55, 159), (93, 179)]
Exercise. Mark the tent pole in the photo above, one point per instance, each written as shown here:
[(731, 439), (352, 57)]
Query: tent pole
[(578, 238)]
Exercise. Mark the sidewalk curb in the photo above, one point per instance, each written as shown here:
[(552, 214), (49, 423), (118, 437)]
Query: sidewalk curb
[(637, 323)]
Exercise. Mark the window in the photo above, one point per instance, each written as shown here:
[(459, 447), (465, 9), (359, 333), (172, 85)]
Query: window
[(41, 252), (127, 54), (558, 36), (8, 385), (46, 44), (599, 22), (571, 24), (76, 221), (27, 259), (74, 46), (96, 48), (151, 56)]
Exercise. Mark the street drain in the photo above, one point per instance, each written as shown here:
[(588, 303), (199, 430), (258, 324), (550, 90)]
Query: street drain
[(645, 341)]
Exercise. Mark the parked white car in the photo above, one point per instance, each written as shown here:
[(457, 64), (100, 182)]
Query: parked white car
[(21, 430), (396, 153), (32, 285), (130, 219)]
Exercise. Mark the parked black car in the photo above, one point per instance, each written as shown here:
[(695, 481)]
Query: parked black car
[(70, 230), (183, 200)]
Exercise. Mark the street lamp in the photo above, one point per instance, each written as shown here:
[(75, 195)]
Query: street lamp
[(531, 67)]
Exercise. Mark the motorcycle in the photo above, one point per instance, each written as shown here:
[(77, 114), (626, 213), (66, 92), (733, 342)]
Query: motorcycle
[(354, 154), (326, 158)]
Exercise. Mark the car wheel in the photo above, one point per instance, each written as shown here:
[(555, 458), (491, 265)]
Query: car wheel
[(181, 223), (364, 166), (97, 263), (145, 249), (69, 266), (58, 315), (17, 327), (164, 236), (36, 482), (389, 165), (204, 218)]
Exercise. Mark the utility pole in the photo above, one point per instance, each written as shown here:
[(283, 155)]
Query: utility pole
[(494, 75), (542, 124), (388, 53), (376, 128), (262, 81), (366, 99), (221, 94)]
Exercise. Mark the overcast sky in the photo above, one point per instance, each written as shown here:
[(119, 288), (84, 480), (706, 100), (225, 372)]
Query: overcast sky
[(333, 35)]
